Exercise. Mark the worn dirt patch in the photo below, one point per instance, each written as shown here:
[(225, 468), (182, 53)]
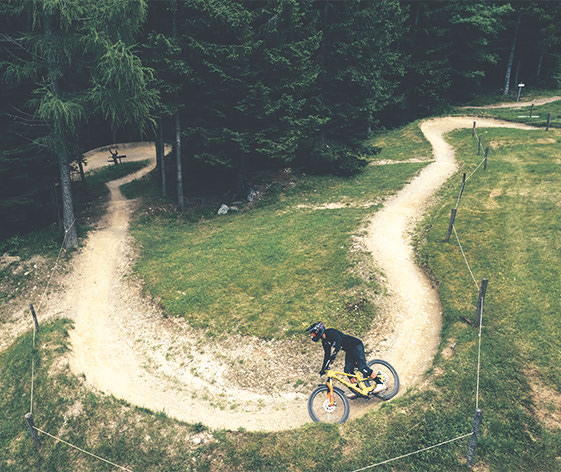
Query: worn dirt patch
[(547, 404)]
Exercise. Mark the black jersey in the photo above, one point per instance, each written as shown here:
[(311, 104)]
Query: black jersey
[(336, 340)]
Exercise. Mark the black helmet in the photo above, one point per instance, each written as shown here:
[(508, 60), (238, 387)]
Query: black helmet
[(317, 330)]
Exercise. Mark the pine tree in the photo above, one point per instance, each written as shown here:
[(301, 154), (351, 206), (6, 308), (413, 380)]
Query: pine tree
[(79, 55)]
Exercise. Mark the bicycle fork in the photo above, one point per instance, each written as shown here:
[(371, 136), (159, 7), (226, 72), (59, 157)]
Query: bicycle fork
[(330, 397)]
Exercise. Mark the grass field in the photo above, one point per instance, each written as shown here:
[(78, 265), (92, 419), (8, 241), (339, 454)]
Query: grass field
[(508, 223), (272, 268)]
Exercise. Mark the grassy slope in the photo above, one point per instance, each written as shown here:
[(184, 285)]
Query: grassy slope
[(508, 222), (271, 270), (522, 115)]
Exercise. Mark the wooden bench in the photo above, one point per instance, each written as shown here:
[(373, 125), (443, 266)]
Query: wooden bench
[(115, 157)]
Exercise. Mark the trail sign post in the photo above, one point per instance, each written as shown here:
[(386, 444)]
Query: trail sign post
[(519, 89)]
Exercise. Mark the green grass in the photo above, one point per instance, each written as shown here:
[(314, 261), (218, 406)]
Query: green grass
[(508, 223), (271, 270), (526, 95), (406, 143), (522, 115), (148, 186)]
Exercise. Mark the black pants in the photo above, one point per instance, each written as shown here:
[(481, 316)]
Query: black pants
[(355, 358)]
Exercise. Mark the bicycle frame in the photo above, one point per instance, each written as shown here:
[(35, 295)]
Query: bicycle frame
[(344, 378)]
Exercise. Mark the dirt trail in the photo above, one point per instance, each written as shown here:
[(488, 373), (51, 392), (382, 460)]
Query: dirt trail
[(124, 347), (536, 102), (413, 306)]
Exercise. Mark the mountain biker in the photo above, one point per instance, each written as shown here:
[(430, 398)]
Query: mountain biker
[(354, 357)]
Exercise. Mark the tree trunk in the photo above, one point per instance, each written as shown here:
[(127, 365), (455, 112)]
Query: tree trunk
[(157, 147), (516, 73), (82, 174), (418, 7), (180, 199), (539, 68), (56, 207), (68, 218), (160, 145), (511, 57)]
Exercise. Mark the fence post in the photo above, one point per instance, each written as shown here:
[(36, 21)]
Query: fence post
[(480, 299), (479, 147), (548, 121), (531, 110), (452, 218), (34, 317), (462, 187), (485, 162), (473, 130), (32, 430), (473, 438)]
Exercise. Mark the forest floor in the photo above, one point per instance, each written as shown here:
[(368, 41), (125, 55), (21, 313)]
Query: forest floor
[(124, 346)]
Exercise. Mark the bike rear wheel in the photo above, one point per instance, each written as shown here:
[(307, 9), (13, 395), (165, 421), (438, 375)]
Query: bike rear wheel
[(389, 376), (320, 409)]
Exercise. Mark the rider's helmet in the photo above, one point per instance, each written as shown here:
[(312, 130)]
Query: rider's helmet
[(316, 329)]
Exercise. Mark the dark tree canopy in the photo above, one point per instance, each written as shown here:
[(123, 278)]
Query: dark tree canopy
[(244, 85)]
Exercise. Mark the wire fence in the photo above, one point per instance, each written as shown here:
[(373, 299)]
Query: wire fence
[(472, 435)]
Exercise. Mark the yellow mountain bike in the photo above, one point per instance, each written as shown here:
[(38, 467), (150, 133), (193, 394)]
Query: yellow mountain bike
[(328, 404)]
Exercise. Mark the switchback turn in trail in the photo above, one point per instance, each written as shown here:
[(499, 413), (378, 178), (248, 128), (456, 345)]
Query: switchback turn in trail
[(124, 347)]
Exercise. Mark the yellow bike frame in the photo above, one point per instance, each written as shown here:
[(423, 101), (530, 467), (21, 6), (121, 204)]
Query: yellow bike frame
[(344, 378)]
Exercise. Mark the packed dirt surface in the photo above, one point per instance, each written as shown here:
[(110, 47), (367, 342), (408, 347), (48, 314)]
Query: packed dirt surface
[(124, 346), (413, 308), (536, 102)]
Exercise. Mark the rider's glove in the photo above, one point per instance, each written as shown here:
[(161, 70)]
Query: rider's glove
[(322, 372)]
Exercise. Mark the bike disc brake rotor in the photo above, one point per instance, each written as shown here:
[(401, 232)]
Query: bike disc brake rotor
[(329, 408), (383, 377)]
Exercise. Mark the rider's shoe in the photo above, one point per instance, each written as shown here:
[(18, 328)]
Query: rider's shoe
[(351, 395), (379, 388)]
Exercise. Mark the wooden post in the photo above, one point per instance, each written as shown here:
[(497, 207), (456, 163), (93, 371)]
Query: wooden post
[(548, 121), (452, 218), (531, 110), (462, 187), (479, 147), (485, 162), (473, 438), (34, 317), (473, 130), (480, 299), (32, 430)]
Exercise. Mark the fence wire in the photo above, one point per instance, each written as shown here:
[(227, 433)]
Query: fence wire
[(38, 310), (83, 450), (55, 265), (479, 356), (464, 256), (413, 453)]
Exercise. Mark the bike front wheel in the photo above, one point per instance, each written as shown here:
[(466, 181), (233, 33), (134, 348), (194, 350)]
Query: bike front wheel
[(389, 376), (322, 411)]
